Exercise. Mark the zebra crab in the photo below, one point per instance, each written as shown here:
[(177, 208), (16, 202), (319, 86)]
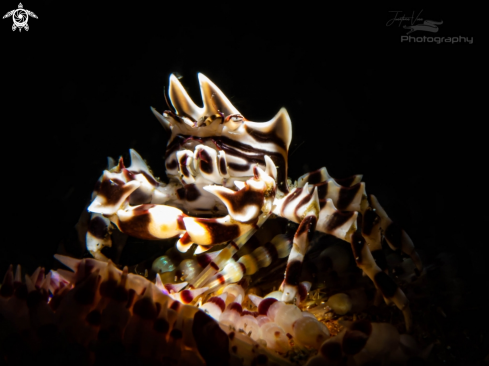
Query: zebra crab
[(227, 176)]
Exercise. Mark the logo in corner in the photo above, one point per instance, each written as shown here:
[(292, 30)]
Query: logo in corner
[(427, 25), (20, 17), (415, 23)]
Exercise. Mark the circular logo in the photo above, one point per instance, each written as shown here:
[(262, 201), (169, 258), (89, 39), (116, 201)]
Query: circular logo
[(20, 17)]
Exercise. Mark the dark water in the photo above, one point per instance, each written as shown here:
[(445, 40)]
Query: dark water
[(403, 115)]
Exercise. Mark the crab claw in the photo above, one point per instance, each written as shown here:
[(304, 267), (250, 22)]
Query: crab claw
[(150, 221), (111, 194), (214, 231), (254, 196), (243, 205)]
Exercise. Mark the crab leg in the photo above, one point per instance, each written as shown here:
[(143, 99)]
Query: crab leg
[(349, 195), (346, 194), (279, 247), (373, 221), (369, 222), (389, 288), (299, 248), (309, 210), (396, 237), (304, 203), (329, 220), (322, 175)]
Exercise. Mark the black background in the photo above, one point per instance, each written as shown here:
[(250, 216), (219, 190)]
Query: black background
[(78, 85)]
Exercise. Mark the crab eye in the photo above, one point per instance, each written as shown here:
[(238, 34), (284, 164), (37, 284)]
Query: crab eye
[(235, 118)]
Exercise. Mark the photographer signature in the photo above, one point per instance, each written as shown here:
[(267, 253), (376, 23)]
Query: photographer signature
[(427, 25), (403, 18)]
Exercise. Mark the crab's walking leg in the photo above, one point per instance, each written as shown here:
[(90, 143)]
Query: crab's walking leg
[(299, 248), (330, 219), (396, 237), (346, 194), (349, 195), (389, 288), (309, 210), (305, 202), (338, 203), (369, 222)]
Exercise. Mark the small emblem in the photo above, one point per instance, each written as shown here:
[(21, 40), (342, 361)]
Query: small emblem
[(20, 17)]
